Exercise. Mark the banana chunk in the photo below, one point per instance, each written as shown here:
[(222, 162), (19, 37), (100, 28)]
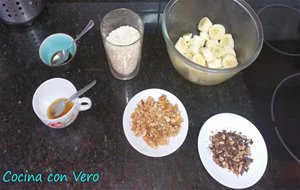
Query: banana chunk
[(187, 37), (204, 35), (211, 43), (229, 51), (199, 59), (216, 32), (217, 51), (181, 45), (194, 49), (196, 41), (188, 55), (212, 48), (204, 24), (227, 40), (207, 54), (215, 64), (229, 61)]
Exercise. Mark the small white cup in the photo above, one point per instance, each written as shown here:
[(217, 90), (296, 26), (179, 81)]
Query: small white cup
[(51, 90)]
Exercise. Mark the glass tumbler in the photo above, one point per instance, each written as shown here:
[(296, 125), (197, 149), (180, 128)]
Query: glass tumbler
[(123, 47)]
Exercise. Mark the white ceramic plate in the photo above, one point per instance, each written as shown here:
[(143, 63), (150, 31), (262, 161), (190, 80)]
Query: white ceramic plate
[(137, 142), (233, 122)]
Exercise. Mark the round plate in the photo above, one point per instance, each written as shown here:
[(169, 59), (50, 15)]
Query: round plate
[(137, 142), (233, 122)]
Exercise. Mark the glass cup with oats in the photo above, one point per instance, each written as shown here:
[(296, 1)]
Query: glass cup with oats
[(122, 32)]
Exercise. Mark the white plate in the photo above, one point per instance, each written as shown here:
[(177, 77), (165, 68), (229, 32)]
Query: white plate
[(137, 142), (233, 122)]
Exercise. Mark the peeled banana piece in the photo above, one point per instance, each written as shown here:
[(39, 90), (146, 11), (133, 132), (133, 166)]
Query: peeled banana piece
[(211, 43), (227, 40), (216, 31), (204, 35), (217, 51), (204, 24), (229, 61), (207, 54), (181, 45), (199, 59), (187, 36), (188, 55), (196, 41), (215, 64), (213, 47), (228, 51)]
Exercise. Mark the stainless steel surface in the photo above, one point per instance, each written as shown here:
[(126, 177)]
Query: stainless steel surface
[(16, 12)]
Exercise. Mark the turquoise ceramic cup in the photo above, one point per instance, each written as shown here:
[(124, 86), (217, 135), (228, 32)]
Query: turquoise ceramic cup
[(55, 43)]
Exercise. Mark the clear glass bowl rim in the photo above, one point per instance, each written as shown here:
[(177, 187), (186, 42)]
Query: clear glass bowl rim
[(259, 30)]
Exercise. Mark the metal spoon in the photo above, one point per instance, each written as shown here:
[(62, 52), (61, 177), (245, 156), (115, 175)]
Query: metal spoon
[(58, 108), (62, 55)]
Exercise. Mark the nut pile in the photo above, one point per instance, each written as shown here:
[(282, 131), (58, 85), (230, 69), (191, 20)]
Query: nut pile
[(156, 121), (231, 150)]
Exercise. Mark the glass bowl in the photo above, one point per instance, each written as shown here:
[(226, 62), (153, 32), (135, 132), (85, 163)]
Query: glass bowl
[(239, 19)]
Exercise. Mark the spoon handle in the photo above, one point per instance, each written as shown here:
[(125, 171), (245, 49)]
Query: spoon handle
[(79, 92), (87, 28)]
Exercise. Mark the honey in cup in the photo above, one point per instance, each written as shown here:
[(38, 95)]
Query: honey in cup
[(69, 106)]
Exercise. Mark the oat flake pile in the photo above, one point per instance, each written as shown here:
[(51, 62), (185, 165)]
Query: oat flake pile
[(123, 49)]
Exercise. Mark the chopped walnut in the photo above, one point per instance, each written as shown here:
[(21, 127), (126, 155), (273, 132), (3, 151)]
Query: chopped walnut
[(156, 121), (231, 150)]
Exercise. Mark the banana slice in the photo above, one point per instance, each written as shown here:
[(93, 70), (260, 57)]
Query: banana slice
[(217, 51), (215, 64), (200, 40), (227, 40), (229, 61), (181, 45), (187, 37), (211, 43), (194, 49), (188, 55), (204, 35), (207, 54), (204, 24), (199, 59), (196, 41), (216, 32), (229, 51), (212, 48)]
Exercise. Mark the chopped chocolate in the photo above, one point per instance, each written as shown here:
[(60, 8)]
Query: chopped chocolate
[(231, 150)]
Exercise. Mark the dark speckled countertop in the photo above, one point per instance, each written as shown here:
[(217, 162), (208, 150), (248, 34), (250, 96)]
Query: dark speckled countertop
[(95, 142)]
